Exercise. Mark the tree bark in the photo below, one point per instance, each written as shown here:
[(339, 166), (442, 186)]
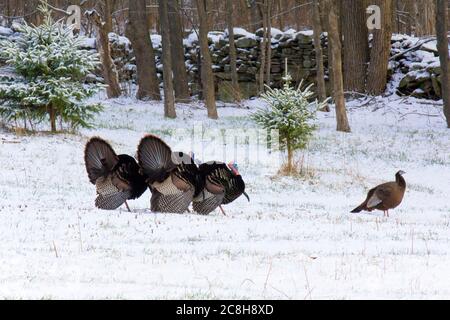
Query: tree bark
[(269, 41), (256, 17), (263, 50), (52, 113), (207, 75), (138, 33), (424, 13), (169, 98), (381, 47), (233, 58), (356, 45), (177, 50), (280, 15), (290, 153), (108, 10), (442, 42), (320, 76), (109, 69), (336, 68)]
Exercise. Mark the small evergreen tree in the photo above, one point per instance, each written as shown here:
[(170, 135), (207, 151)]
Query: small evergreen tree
[(291, 113), (51, 68)]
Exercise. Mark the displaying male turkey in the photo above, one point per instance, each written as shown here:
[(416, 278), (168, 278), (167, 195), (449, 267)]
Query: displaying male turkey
[(173, 178), (222, 185), (386, 196), (117, 177)]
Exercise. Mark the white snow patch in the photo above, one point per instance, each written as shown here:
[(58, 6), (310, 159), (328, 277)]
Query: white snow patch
[(5, 31), (241, 32), (295, 239), (156, 40), (191, 39), (308, 33), (215, 36), (89, 43)]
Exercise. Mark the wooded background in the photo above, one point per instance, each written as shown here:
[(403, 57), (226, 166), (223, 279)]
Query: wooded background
[(409, 16), (358, 58)]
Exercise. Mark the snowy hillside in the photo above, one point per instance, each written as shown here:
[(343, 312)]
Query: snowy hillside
[(295, 240)]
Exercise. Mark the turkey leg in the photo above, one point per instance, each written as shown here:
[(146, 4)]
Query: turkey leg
[(128, 208), (223, 211)]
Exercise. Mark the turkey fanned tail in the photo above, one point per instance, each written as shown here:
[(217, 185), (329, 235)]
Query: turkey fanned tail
[(105, 170), (155, 158), (173, 178), (99, 158)]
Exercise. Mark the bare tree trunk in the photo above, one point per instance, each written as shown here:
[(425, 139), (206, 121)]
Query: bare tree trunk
[(52, 113), (109, 69), (415, 18), (207, 75), (169, 98), (107, 16), (442, 39), (137, 32), (256, 17), (280, 15), (424, 13), (290, 153), (320, 76), (178, 61), (233, 66), (338, 83), (356, 45), (323, 10), (264, 43), (410, 21), (269, 41), (381, 47)]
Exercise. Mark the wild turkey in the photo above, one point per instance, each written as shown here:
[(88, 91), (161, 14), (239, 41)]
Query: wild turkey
[(173, 178), (116, 177), (384, 197), (222, 185)]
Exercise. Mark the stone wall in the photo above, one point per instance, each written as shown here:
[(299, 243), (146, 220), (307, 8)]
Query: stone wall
[(415, 73), (296, 47), (418, 71)]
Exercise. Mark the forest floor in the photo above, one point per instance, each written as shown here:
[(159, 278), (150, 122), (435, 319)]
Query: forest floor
[(295, 239)]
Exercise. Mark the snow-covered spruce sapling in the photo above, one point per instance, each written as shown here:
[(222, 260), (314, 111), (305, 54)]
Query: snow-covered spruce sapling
[(290, 111), (50, 67)]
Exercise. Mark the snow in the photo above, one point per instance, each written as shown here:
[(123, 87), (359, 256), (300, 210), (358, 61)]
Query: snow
[(5, 31), (274, 32), (241, 32), (425, 56), (296, 238), (156, 40), (400, 37), (419, 75), (215, 36), (430, 46), (308, 33), (89, 43), (191, 39), (120, 40), (290, 32)]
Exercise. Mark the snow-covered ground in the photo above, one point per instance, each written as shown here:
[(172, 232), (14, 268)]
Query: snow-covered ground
[(295, 240)]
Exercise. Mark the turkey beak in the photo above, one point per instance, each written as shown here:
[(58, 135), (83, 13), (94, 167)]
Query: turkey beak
[(246, 195)]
